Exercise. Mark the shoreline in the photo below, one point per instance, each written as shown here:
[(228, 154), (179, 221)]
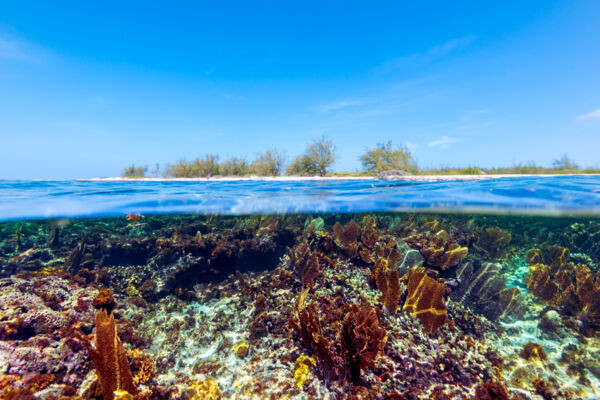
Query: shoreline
[(411, 178)]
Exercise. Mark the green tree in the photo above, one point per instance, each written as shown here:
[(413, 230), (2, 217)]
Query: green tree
[(206, 166), (181, 169), (156, 171), (134, 172), (317, 158), (235, 166), (269, 163), (564, 164), (301, 166), (386, 156)]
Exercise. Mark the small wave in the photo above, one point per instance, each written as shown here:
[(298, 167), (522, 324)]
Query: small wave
[(528, 195)]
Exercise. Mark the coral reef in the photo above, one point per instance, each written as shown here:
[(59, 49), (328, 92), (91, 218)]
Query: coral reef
[(307, 324), (108, 356), (362, 338), (388, 282), (533, 350), (438, 249), (299, 306), (483, 288), (491, 390), (425, 300), (493, 242), (573, 289), (302, 368), (205, 390), (307, 264)]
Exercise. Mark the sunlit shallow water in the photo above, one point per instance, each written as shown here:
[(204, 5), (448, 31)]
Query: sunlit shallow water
[(301, 290), (50, 199)]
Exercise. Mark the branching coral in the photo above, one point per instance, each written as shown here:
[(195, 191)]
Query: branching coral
[(425, 300), (108, 357), (362, 340)]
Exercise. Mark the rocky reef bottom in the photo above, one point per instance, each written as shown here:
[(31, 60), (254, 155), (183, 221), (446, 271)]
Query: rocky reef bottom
[(386, 308)]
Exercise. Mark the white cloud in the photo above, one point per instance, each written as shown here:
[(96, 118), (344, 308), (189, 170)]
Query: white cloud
[(432, 54), (14, 49), (449, 46), (340, 105), (442, 142), (591, 115)]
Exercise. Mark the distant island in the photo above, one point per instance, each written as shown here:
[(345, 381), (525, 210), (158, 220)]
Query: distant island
[(385, 160)]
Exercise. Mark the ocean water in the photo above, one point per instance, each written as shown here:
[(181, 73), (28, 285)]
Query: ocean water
[(353, 289)]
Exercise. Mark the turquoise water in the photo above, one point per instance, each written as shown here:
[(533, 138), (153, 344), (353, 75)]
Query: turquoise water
[(51, 199)]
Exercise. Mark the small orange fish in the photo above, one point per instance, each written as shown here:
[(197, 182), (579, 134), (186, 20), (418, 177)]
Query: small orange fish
[(134, 217), (19, 256)]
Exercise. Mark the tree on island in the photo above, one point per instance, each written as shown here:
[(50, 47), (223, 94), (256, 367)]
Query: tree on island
[(134, 172), (235, 166), (565, 164), (269, 163), (386, 157), (315, 160), (206, 166)]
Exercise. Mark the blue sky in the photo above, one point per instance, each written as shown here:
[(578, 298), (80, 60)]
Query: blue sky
[(89, 88)]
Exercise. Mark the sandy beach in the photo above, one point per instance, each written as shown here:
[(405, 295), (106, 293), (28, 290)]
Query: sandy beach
[(414, 178)]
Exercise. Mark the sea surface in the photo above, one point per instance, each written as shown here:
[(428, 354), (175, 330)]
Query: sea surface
[(350, 289), (51, 199)]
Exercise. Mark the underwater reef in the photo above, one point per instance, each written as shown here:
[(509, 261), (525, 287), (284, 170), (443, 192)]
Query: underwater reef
[(379, 306)]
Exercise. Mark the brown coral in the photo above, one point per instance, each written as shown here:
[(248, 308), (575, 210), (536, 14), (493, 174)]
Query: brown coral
[(143, 366), (388, 282), (105, 300), (387, 249), (493, 242), (541, 387), (362, 340), (307, 264), (533, 350), (438, 250), (575, 290), (555, 257), (425, 300), (307, 324), (491, 390), (108, 357), (540, 283), (346, 238)]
